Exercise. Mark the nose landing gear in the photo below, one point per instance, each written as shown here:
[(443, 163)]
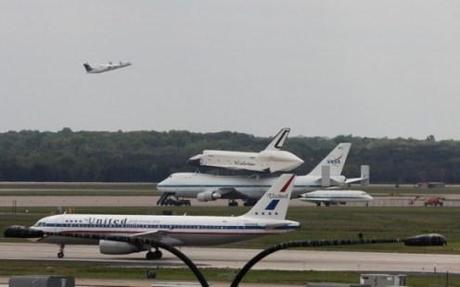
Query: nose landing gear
[(61, 251)]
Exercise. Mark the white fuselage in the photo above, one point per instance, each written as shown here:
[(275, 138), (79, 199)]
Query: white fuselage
[(106, 68), (190, 184), (173, 230), (336, 196), (264, 161)]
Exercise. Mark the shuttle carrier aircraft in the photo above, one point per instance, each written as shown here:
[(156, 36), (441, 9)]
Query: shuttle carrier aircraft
[(266, 217), (207, 187)]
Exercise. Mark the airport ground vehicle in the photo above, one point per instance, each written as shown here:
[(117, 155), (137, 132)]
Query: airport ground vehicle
[(434, 201), (174, 201)]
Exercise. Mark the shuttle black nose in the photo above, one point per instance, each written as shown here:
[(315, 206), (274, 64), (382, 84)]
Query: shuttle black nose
[(18, 231)]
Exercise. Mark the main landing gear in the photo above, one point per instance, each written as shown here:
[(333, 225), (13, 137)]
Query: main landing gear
[(232, 202), (61, 251), (157, 254)]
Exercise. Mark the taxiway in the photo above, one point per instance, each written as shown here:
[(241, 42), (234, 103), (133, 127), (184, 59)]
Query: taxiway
[(235, 258)]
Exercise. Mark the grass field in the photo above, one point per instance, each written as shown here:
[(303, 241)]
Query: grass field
[(76, 189), (405, 190), (107, 270), (131, 189), (317, 223), (73, 192)]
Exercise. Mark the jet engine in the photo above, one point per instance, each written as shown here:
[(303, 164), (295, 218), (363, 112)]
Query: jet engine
[(208, 195), (117, 247)]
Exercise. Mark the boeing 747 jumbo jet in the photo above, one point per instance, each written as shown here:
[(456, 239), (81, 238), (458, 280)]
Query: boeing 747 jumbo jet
[(271, 159), (105, 68), (266, 217), (207, 187)]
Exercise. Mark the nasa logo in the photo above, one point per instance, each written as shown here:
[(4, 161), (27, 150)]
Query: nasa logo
[(335, 160)]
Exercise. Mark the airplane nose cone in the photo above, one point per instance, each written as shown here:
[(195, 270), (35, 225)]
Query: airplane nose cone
[(295, 161), (298, 160), (162, 184)]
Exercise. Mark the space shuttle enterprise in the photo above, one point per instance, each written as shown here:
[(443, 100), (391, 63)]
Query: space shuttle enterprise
[(270, 160)]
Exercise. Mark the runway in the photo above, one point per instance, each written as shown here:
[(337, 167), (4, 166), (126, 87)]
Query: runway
[(297, 260), (142, 201)]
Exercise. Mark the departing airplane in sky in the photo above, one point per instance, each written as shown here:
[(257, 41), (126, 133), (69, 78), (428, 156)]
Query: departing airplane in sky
[(105, 68), (271, 159), (265, 218), (334, 196), (207, 187)]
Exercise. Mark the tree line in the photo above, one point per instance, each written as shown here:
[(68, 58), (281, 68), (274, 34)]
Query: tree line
[(150, 156)]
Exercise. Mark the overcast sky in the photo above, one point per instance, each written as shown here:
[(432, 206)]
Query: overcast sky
[(323, 68)]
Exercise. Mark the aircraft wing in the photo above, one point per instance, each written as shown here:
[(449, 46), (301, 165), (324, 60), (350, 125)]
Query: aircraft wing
[(220, 193), (317, 199), (153, 234), (162, 236), (353, 180), (230, 193)]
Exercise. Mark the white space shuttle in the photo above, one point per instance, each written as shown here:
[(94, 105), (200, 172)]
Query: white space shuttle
[(208, 187), (105, 68), (334, 196), (271, 159), (265, 218)]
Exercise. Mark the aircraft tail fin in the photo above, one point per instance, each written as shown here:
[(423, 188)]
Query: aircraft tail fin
[(335, 160), (88, 68), (278, 140), (274, 203)]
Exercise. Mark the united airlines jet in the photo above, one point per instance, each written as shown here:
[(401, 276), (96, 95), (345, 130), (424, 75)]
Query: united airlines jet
[(265, 218)]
